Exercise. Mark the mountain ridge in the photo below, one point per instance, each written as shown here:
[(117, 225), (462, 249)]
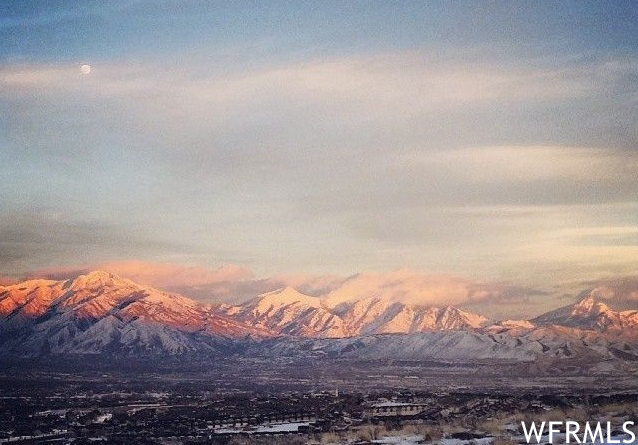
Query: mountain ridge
[(591, 313), (290, 312), (100, 312)]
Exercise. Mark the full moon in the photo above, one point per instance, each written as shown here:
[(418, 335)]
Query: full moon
[(85, 69)]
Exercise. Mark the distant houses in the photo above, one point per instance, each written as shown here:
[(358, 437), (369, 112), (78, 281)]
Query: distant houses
[(380, 410)]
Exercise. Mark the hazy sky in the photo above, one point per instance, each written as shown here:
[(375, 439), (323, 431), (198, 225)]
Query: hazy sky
[(481, 139)]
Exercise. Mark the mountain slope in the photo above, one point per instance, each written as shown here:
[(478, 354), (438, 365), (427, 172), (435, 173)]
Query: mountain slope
[(591, 313), (289, 312), (100, 312), (375, 315), (544, 347)]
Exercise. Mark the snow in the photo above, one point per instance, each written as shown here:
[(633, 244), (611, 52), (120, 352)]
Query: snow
[(103, 417), (521, 324), (100, 310), (400, 440), (280, 428), (290, 312), (391, 404), (286, 296), (478, 441)]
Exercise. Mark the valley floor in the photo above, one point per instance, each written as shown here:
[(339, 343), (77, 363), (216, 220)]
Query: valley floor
[(239, 401)]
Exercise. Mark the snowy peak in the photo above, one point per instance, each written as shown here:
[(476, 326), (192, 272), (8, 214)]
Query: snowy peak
[(290, 312), (584, 306), (516, 324), (589, 307), (95, 278), (592, 314), (97, 293), (287, 311), (29, 298), (453, 318), (376, 315), (286, 296), (101, 312)]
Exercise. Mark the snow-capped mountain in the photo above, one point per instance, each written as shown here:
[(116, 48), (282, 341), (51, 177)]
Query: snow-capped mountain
[(591, 313), (375, 315), (100, 312), (290, 312), (540, 350)]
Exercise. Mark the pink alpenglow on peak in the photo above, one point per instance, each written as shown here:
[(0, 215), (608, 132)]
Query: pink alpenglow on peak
[(100, 311)]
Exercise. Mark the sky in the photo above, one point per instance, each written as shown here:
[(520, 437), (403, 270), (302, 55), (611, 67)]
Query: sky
[(489, 140)]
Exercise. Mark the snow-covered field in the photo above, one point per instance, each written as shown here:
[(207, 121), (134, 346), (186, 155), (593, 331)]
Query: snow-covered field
[(559, 439)]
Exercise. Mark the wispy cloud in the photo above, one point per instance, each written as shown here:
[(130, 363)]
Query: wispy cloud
[(235, 284), (32, 238), (379, 158), (414, 80), (43, 16)]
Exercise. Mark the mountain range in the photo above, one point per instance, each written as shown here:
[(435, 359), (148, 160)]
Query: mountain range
[(101, 313)]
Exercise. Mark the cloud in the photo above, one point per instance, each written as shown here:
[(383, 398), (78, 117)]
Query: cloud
[(379, 85), (437, 290), (40, 17), (605, 235), (228, 283), (29, 239), (234, 284), (619, 292), (350, 92), (163, 275), (327, 164), (7, 281)]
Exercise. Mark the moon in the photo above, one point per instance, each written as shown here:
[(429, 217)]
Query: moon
[(85, 69)]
